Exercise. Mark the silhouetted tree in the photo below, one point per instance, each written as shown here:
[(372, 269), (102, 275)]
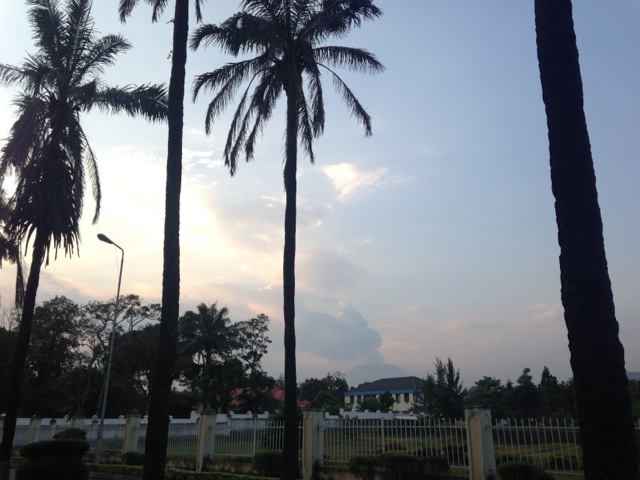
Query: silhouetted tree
[(443, 391), (287, 37), (49, 151), (597, 356)]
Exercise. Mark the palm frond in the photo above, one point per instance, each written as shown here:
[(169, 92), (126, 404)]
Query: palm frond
[(98, 55), (149, 101), (355, 59), (356, 108)]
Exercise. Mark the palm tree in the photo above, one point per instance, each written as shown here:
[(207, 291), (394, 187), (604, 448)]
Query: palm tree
[(597, 356), (162, 376), (286, 36), (207, 339), (49, 151)]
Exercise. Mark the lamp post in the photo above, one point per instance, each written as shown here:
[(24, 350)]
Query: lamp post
[(105, 388)]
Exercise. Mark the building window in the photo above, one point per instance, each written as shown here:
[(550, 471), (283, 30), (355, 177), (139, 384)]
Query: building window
[(406, 398), (397, 398)]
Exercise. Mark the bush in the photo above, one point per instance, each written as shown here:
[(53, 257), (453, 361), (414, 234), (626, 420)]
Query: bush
[(363, 466), (521, 471), (401, 466), (54, 460), (268, 463), (435, 467), (133, 458)]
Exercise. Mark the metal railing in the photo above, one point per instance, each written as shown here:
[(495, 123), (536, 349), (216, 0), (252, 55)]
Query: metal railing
[(421, 436), (552, 444)]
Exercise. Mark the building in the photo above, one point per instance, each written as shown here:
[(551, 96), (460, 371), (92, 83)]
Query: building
[(407, 392)]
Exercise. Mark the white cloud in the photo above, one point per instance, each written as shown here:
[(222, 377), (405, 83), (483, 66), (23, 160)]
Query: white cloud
[(349, 179)]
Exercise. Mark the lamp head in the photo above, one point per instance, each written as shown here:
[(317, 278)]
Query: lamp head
[(102, 237)]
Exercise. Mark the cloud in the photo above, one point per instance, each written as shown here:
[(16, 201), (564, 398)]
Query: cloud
[(345, 336), (349, 179), (324, 271)]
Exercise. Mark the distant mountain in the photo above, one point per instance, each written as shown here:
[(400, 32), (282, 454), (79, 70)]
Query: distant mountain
[(372, 372), (633, 375)]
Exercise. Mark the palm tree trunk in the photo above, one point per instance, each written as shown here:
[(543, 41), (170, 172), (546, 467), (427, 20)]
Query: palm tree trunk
[(162, 376), (290, 470), (20, 354), (597, 356)]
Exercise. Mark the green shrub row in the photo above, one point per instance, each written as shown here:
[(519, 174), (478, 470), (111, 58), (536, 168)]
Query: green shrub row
[(399, 466), (173, 473), (519, 470)]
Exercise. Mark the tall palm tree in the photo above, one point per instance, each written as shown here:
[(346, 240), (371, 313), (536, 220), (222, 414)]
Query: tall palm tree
[(207, 339), (162, 376), (49, 151), (287, 37), (597, 356)]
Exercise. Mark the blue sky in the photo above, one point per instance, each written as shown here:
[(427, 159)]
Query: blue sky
[(436, 237)]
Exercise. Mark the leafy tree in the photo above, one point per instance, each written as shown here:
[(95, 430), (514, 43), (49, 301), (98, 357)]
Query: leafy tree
[(287, 37), (386, 402), (53, 352), (522, 401), (133, 359), (369, 403), (49, 150), (252, 344), (133, 313), (162, 375), (487, 392), (597, 355), (443, 391), (556, 398), (326, 393)]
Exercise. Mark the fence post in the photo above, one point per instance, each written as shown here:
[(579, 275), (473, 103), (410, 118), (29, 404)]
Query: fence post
[(312, 442), (78, 422), (482, 460), (34, 429), (131, 432), (206, 437)]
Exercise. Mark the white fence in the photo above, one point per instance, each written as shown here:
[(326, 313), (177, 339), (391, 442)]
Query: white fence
[(551, 444)]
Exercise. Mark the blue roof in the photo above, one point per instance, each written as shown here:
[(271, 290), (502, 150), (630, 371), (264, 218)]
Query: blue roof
[(391, 385)]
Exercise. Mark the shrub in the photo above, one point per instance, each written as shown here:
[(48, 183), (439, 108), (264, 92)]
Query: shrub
[(54, 460), (521, 471), (435, 467), (400, 466), (133, 458), (71, 434), (268, 463), (363, 466)]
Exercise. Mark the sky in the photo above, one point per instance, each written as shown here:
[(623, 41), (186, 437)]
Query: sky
[(433, 238)]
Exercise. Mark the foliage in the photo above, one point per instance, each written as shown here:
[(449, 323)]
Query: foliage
[(400, 466), (443, 391), (435, 467), (268, 463), (549, 399), (326, 393), (521, 471), (363, 466), (54, 459)]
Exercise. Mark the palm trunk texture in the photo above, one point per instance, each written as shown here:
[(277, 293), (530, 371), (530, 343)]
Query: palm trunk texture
[(162, 376), (597, 356), (20, 354), (290, 470)]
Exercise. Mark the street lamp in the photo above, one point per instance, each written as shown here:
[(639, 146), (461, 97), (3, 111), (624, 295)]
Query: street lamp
[(105, 388)]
